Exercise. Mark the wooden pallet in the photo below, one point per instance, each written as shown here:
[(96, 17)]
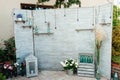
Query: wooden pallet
[(86, 70)]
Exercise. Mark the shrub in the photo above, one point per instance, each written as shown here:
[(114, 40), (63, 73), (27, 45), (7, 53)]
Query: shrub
[(2, 77), (116, 45), (116, 41), (2, 55), (116, 59), (8, 53), (10, 49)]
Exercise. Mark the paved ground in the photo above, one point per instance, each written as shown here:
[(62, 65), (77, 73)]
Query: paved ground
[(54, 75)]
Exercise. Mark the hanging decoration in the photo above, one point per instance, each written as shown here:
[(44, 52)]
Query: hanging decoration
[(36, 30), (64, 12), (97, 12), (66, 3), (77, 15), (48, 28), (45, 16), (55, 19)]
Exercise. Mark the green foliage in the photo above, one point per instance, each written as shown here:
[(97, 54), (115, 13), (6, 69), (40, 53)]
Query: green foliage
[(2, 77), (9, 52), (116, 59), (10, 49), (58, 3), (10, 45), (116, 41), (40, 1), (116, 13), (2, 52)]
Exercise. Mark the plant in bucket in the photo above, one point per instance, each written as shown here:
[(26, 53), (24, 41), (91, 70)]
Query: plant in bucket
[(99, 37), (70, 65)]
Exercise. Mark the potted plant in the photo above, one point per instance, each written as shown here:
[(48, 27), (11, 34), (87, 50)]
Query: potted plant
[(70, 65)]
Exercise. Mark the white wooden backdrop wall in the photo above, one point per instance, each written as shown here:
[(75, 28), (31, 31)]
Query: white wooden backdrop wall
[(65, 42)]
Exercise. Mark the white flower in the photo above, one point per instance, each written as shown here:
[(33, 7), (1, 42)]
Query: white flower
[(76, 66), (16, 64), (71, 64), (63, 64), (10, 67), (6, 66), (20, 68), (76, 63)]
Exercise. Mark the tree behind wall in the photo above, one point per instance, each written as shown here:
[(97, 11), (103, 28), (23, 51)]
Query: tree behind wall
[(116, 41), (116, 35), (116, 13), (66, 3), (42, 1), (116, 45)]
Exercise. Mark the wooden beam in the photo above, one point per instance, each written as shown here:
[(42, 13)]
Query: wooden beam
[(33, 6), (84, 30)]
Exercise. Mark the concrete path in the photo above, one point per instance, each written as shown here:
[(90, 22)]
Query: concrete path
[(54, 75)]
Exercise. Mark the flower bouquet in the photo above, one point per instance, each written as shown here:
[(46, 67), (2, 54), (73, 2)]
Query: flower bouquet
[(70, 65), (8, 69)]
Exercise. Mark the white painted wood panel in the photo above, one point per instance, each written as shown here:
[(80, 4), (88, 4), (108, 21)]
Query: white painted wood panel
[(105, 12), (65, 42), (23, 36)]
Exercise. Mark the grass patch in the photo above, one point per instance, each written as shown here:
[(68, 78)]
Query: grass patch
[(116, 59)]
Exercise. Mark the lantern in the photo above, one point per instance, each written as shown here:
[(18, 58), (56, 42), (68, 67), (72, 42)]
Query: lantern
[(116, 76), (31, 66)]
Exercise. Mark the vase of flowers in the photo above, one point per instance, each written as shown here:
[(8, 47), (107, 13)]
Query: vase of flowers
[(70, 65), (99, 37), (16, 65)]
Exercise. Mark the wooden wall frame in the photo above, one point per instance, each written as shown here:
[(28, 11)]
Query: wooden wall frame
[(34, 6)]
